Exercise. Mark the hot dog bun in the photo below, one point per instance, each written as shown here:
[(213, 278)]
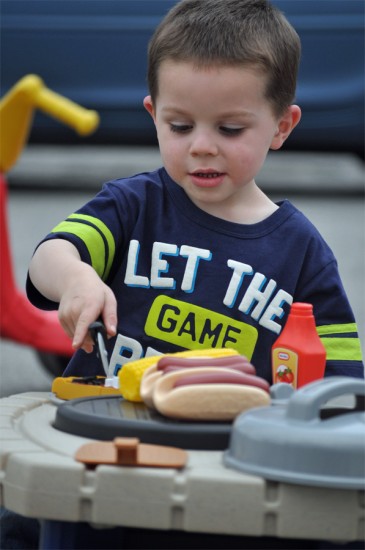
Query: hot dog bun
[(218, 394), (130, 375), (171, 363)]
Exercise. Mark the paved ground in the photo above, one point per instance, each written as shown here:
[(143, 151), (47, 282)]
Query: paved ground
[(327, 188)]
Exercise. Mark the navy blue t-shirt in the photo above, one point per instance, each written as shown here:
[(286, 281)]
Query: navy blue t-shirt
[(184, 279)]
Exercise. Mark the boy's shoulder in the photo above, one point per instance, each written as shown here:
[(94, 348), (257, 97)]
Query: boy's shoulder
[(299, 222), (137, 181)]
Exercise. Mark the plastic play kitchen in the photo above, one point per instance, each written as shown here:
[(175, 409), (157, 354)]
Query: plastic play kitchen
[(293, 469)]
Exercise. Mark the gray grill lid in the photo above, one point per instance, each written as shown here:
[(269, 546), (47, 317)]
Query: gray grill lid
[(299, 440)]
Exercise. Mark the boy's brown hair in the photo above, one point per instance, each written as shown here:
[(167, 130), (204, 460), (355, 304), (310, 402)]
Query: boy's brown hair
[(234, 33)]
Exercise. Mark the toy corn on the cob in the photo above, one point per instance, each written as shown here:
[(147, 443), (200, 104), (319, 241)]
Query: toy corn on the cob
[(130, 375)]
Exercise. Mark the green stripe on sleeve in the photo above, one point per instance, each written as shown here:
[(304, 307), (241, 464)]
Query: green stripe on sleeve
[(92, 239), (104, 229), (337, 329), (91, 234), (342, 349)]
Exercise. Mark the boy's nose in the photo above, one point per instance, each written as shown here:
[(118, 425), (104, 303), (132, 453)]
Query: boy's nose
[(203, 144)]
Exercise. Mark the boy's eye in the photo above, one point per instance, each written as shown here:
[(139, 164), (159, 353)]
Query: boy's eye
[(180, 128), (230, 131)]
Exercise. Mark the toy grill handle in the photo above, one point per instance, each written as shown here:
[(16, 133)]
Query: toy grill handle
[(306, 403)]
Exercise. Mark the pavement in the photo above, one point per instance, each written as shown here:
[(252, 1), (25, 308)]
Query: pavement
[(49, 182)]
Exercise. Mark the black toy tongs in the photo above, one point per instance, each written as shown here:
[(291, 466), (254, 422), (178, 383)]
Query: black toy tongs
[(98, 333)]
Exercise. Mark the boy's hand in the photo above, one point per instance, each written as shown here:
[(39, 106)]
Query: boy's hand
[(84, 301), (57, 271)]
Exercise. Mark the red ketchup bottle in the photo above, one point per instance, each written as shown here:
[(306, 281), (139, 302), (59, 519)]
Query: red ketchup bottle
[(298, 355)]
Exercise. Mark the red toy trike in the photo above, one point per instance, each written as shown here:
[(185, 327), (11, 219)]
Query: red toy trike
[(20, 321)]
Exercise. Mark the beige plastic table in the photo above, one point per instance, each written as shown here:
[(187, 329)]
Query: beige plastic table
[(39, 478)]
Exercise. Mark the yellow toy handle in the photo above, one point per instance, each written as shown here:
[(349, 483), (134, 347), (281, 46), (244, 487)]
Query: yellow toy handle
[(66, 111), (16, 112)]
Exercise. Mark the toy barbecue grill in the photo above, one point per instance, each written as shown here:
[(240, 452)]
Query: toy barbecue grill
[(300, 438), (302, 442)]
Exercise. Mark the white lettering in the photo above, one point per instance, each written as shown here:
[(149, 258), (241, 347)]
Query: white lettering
[(126, 350), (255, 301), (160, 265), (131, 278), (254, 294), (275, 309), (239, 272), (194, 255)]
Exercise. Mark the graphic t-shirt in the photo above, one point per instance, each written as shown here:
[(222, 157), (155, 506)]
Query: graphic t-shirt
[(184, 279)]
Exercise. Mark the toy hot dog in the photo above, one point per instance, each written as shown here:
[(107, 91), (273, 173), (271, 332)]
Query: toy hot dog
[(171, 363), (130, 375), (208, 393), (220, 376), (185, 362)]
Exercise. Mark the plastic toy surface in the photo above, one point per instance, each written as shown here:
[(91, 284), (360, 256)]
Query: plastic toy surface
[(128, 451), (20, 321), (73, 387), (305, 439), (40, 478)]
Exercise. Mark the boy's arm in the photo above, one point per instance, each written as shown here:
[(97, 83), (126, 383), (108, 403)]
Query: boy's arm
[(335, 321), (57, 272)]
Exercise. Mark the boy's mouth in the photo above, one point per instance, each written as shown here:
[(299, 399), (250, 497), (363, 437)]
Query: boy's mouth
[(207, 178), (207, 174)]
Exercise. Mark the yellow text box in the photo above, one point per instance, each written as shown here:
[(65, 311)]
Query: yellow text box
[(193, 327)]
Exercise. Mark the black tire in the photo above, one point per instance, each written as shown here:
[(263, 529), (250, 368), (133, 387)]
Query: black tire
[(53, 363)]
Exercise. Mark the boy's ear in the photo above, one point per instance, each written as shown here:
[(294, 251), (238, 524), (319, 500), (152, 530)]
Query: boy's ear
[(286, 124), (148, 105)]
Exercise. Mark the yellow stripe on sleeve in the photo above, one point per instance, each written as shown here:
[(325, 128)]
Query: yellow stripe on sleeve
[(91, 233), (104, 229), (342, 349)]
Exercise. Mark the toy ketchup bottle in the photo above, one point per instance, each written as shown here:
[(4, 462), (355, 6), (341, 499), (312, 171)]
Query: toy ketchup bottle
[(298, 355)]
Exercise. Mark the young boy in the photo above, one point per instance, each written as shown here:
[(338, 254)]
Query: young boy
[(195, 255)]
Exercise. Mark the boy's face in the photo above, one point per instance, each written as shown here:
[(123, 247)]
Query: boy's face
[(215, 127)]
